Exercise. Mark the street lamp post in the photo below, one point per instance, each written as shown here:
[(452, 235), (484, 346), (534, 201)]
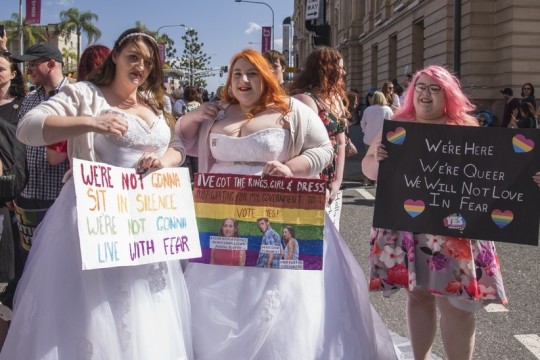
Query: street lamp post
[(272, 10), (189, 59), (165, 26)]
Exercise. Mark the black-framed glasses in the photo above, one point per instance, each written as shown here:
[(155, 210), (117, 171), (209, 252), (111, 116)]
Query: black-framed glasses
[(432, 89), (5, 53)]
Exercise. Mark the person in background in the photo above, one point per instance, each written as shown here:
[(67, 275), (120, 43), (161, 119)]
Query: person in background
[(179, 105), (132, 312), (167, 100), (192, 98), (526, 117), (391, 98), (352, 98), (372, 122), (91, 58), (457, 276), (407, 77), (527, 94), (511, 106), (278, 63), (258, 130), (44, 68), (217, 96), (12, 93), (321, 86)]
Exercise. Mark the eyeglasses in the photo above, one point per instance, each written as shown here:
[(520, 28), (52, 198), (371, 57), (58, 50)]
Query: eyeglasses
[(5, 53), (35, 63), (527, 89), (432, 89)]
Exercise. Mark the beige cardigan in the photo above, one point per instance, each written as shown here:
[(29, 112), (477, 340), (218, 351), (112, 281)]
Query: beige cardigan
[(309, 139), (78, 99)]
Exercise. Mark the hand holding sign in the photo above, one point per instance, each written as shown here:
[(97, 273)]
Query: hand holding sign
[(456, 181)]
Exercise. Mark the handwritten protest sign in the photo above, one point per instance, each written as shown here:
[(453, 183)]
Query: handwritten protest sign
[(460, 181), (295, 206), (125, 218)]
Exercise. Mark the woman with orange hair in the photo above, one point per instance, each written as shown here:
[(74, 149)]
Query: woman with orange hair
[(247, 312), (454, 275)]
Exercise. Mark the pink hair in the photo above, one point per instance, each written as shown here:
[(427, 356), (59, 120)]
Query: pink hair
[(458, 106)]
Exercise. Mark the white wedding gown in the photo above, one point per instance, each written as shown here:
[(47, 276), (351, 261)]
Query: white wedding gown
[(126, 313), (268, 314)]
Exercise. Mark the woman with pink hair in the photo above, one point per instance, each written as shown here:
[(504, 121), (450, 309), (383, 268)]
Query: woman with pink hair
[(455, 275)]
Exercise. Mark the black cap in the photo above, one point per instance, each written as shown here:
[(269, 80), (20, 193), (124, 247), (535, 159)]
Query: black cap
[(40, 51), (507, 91)]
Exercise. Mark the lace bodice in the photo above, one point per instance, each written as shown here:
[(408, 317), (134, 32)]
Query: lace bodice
[(139, 138), (247, 154)]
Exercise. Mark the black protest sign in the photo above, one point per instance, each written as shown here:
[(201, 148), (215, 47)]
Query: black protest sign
[(460, 181)]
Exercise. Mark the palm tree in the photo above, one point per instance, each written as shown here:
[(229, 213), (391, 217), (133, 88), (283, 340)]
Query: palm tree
[(32, 34), (80, 22), (68, 56)]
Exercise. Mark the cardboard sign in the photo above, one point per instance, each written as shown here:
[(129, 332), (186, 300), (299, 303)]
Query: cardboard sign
[(240, 201), (460, 181), (125, 218)]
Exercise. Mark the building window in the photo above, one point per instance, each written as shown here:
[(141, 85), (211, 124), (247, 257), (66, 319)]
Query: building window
[(418, 45)]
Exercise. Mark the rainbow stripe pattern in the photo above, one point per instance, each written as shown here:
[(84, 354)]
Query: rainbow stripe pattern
[(398, 136), (502, 218), (414, 207), (521, 144), (285, 202)]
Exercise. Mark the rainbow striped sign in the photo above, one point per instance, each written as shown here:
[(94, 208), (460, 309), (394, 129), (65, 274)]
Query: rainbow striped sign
[(240, 201)]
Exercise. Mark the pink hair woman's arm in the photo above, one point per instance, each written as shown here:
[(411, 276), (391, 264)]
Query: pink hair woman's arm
[(375, 154)]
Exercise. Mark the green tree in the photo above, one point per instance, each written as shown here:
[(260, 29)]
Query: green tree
[(79, 22), (70, 59), (31, 34), (194, 60)]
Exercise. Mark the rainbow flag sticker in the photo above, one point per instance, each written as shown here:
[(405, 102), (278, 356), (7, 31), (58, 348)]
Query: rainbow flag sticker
[(414, 207), (502, 218), (521, 144), (397, 137)]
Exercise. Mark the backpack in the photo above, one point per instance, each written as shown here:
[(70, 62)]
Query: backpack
[(13, 157)]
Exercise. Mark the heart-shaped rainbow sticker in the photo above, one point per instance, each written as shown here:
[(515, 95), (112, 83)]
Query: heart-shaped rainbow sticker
[(414, 207), (397, 137), (502, 218), (522, 144)]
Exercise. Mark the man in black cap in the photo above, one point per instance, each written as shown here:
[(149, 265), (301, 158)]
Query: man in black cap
[(511, 106), (44, 67)]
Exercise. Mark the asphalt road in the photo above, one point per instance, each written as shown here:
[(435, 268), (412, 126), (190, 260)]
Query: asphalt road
[(498, 328)]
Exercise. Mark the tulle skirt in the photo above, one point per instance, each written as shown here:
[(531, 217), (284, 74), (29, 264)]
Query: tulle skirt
[(253, 313), (62, 312)]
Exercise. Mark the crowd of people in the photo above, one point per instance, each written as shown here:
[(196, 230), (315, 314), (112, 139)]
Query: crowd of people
[(118, 113)]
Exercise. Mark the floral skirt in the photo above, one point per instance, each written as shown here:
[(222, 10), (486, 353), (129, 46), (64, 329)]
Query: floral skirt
[(457, 268)]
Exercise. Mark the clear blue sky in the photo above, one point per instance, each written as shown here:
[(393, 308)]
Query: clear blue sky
[(224, 26)]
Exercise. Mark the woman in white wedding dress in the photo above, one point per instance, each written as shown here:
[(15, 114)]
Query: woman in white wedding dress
[(132, 313), (253, 313)]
